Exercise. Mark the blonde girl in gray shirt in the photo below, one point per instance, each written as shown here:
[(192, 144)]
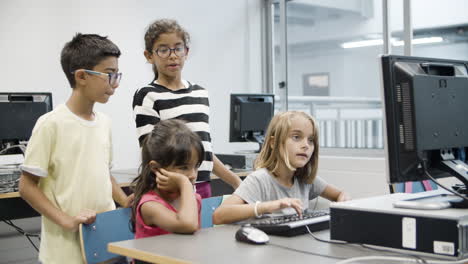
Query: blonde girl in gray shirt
[(286, 173)]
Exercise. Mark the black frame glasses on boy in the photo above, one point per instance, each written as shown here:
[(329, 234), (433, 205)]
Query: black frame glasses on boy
[(165, 52), (113, 77)]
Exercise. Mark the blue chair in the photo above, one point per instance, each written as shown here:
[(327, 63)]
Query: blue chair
[(111, 226), (207, 209)]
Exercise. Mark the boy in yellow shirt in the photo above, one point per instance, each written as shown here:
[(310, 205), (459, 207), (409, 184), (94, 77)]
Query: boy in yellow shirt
[(66, 173)]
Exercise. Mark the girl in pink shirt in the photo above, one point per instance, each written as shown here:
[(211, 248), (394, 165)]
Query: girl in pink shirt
[(165, 200)]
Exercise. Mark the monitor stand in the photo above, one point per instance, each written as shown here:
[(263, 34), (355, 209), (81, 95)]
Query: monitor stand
[(442, 201), (461, 172), (260, 139)]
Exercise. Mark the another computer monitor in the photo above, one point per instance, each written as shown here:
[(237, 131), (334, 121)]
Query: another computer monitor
[(250, 116), (19, 113), (426, 108)]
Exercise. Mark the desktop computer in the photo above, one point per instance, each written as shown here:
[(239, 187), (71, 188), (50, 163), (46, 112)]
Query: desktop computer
[(426, 137), (376, 221), (239, 161)]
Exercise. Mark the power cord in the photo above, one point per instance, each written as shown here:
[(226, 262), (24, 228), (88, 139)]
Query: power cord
[(20, 146), (423, 162)]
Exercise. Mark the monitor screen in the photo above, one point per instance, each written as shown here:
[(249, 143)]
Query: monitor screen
[(250, 116), (19, 113), (426, 101)]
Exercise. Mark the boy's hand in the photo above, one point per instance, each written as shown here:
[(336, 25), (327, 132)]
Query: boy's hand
[(129, 201), (86, 216), (168, 181)]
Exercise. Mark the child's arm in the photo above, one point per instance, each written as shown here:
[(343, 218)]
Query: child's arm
[(334, 194), (185, 220), (226, 175), (31, 193), (119, 195), (235, 209)]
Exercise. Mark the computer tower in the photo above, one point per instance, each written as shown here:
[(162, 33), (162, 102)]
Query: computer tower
[(375, 221)]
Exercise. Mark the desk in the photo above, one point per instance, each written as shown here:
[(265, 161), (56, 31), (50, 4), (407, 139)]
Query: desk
[(12, 206), (218, 245)]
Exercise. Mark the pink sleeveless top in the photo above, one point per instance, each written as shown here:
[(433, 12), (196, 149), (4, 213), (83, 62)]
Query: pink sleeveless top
[(143, 230)]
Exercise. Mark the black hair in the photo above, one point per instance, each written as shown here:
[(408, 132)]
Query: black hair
[(85, 51), (171, 143)]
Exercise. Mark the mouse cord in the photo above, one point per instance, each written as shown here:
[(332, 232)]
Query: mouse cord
[(305, 252)]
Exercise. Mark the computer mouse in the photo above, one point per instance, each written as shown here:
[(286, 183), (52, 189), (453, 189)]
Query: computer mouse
[(252, 235)]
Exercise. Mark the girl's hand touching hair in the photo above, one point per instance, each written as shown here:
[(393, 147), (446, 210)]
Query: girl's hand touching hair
[(168, 181)]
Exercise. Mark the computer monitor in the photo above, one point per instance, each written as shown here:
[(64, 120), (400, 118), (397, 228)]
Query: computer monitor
[(18, 115), (426, 109), (250, 116)]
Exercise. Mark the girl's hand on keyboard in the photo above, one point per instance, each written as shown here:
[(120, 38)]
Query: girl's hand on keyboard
[(296, 204)]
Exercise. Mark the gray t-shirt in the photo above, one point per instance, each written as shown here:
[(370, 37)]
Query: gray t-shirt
[(262, 186)]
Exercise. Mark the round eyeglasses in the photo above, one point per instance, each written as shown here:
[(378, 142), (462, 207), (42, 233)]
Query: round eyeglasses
[(165, 52)]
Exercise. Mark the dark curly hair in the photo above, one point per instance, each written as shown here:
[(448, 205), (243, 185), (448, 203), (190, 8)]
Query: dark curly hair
[(162, 26)]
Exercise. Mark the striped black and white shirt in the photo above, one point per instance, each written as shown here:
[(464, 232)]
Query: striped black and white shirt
[(155, 102)]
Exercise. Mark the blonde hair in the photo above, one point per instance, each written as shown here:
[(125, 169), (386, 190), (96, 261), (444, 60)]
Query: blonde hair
[(274, 149)]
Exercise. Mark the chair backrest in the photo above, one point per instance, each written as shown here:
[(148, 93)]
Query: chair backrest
[(414, 186), (207, 209), (109, 227)]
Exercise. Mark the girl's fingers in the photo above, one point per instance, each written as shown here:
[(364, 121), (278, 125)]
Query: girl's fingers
[(297, 207), (161, 178)]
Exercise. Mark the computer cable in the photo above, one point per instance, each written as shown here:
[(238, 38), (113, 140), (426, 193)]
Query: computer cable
[(21, 147), (423, 162), (305, 252), (443, 187), (316, 203)]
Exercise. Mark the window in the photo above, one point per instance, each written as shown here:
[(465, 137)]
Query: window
[(326, 57)]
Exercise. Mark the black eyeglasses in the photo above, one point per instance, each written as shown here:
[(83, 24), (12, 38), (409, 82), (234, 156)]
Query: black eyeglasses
[(114, 77), (165, 52)]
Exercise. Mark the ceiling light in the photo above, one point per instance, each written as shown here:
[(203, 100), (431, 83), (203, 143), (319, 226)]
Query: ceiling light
[(362, 43), (419, 41), (377, 42)]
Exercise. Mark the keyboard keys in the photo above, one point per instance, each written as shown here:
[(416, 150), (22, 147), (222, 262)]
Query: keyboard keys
[(289, 225)]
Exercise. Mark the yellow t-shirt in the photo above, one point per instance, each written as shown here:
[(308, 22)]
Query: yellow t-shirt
[(73, 158)]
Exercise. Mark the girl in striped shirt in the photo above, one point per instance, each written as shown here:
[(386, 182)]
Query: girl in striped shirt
[(168, 96)]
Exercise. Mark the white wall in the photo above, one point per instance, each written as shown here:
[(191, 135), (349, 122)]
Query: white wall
[(224, 56)]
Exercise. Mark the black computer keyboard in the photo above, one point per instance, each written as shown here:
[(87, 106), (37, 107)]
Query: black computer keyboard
[(293, 225)]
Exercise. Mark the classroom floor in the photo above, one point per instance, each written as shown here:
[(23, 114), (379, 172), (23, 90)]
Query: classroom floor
[(14, 247)]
